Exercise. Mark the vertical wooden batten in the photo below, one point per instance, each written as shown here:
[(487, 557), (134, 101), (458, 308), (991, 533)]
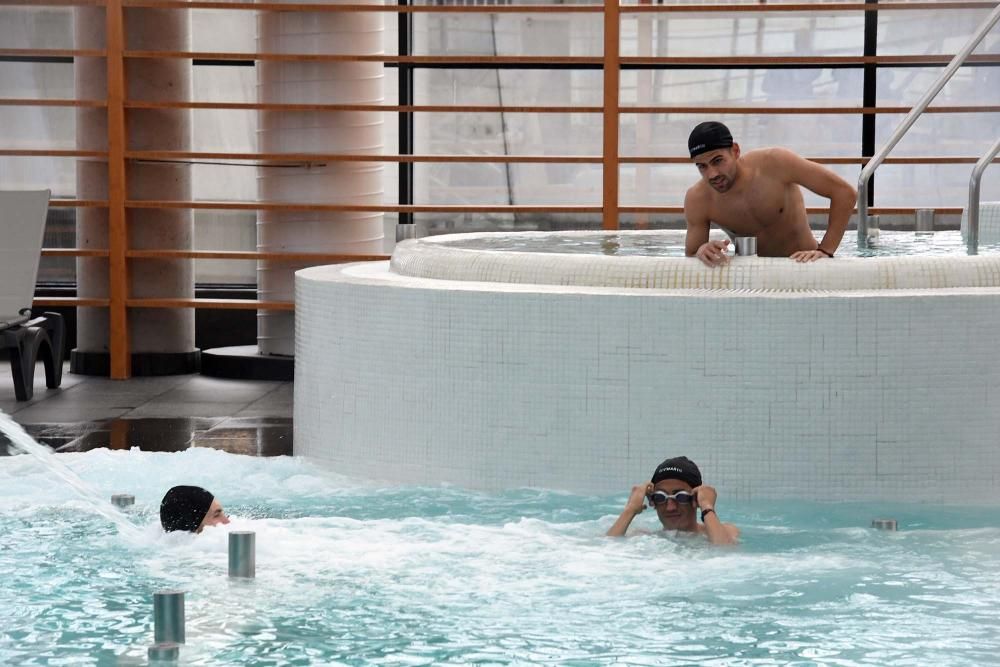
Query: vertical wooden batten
[(119, 345), (612, 52)]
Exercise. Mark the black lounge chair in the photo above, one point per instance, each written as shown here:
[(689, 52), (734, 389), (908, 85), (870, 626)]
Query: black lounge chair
[(28, 335)]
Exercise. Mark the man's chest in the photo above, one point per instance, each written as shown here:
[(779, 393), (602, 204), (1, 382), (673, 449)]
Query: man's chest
[(763, 203)]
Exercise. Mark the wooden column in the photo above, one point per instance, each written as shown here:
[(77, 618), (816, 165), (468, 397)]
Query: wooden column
[(612, 28)]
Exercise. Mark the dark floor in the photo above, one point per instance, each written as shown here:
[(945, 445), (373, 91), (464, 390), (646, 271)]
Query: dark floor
[(168, 413)]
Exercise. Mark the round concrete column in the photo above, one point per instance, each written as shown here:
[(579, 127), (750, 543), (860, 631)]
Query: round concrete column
[(162, 340), (352, 132)]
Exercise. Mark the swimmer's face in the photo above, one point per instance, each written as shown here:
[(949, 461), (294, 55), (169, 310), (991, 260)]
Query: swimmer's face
[(718, 167), (674, 515), (216, 516)]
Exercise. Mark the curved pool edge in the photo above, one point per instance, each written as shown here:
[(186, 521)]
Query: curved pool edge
[(879, 395), (434, 257)]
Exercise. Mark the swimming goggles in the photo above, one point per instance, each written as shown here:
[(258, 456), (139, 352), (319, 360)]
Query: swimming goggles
[(657, 498)]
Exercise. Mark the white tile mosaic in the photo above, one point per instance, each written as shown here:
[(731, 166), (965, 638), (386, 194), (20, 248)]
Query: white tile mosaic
[(888, 394)]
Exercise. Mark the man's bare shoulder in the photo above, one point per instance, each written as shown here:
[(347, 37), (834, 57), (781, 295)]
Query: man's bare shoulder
[(698, 194), (760, 157)]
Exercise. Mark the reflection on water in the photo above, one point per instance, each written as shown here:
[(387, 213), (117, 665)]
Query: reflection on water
[(253, 436), (611, 244)]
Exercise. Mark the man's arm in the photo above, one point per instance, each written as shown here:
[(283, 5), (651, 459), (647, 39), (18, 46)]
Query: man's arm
[(717, 532), (817, 178), (636, 503), (696, 243)]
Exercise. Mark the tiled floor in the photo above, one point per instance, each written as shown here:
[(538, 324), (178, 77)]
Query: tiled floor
[(155, 413)]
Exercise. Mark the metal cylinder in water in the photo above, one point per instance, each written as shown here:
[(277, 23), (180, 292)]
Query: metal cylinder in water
[(168, 617), (166, 652), (122, 500), (884, 524), (924, 223), (745, 245), (242, 554), (873, 229)]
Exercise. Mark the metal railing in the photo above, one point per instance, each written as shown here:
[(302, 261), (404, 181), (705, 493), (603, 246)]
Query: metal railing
[(911, 118), (972, 238)]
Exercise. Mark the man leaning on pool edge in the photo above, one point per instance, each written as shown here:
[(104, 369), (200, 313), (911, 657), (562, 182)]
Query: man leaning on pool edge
[(757, 194), (676, 491)]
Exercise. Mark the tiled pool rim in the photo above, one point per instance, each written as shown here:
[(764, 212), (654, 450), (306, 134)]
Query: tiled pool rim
[(864, 394), (434, 257)]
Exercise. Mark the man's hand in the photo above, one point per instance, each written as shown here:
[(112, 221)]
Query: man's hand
[(713, 253), (637, 500), (705, 496), (809, 255), (636, 504)]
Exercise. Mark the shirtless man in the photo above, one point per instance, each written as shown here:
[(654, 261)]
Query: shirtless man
[(676, 491), (757, 194)]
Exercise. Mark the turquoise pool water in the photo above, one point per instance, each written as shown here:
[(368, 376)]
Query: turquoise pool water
[(352, 572)]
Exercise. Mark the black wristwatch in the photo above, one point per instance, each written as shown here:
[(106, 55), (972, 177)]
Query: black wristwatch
[(704, 512)]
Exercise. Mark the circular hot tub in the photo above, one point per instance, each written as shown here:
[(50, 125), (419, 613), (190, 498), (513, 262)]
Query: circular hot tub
[(870, 378)]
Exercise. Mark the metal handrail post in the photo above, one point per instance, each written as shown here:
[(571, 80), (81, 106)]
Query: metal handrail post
[(972, 237), (911, 117)]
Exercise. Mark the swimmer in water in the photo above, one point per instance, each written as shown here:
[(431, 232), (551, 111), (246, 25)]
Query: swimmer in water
[(757, 194), (190, 508), (676, 492)]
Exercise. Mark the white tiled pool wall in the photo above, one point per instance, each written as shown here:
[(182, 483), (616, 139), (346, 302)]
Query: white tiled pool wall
[(881, 395)]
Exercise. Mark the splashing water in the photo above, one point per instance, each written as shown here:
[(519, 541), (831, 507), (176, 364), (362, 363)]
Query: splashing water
[(20, 439)]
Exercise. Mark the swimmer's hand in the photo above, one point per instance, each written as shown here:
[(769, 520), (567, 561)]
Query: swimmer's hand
[(803, 256), (636, 504), (705, 497), (713, 253), (637, 500)]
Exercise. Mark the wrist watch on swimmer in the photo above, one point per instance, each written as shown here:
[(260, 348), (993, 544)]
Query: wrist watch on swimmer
[(706, 512)]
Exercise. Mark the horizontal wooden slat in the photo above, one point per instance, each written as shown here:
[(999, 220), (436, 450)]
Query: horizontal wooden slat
[(926, 159), (78, 203), (875, 210), (236, 254), (56, 301), (389, 108), (53, 53), (812, 7), (714, 61), (311, 158), (223, 304), (410, 9), (73, 252), (387, 208), (333, 157), (772, 111), (50, 152), (53, 3), (549, 8), (730, 61), (382, 58), (496, 108), (38, 102)]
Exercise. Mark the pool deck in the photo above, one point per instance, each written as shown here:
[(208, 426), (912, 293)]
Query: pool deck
[(167, 413)]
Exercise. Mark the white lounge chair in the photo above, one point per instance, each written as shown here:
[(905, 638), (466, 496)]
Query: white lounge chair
[(28, 335)]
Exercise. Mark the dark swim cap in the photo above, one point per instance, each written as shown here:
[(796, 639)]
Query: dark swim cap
[(681, 468), (184, 508), (709, 136)]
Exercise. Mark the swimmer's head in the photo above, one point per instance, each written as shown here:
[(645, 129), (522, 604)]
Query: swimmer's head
[(185, 508), (709, 136), (680, 467)]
